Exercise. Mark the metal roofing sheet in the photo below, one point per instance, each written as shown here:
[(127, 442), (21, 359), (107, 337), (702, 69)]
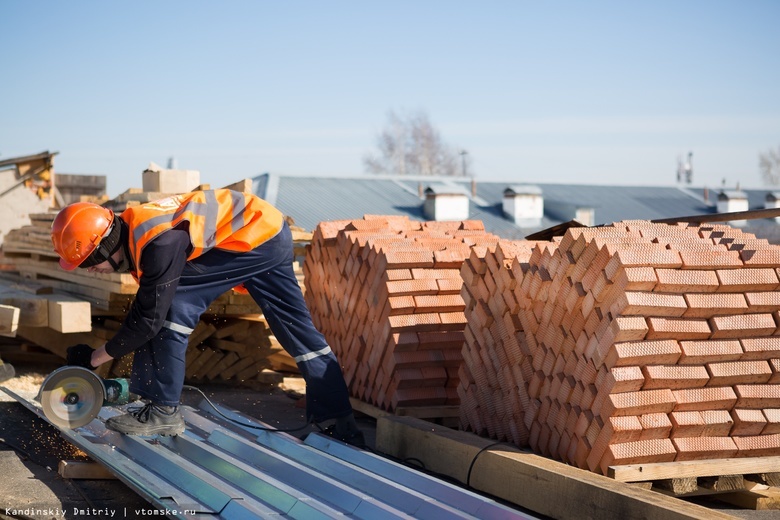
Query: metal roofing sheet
[(219, 469), (311, 200)]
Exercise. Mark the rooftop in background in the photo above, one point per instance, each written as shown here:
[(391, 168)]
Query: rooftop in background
[(310, 200)]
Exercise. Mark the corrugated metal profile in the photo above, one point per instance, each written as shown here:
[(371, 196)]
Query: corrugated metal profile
[(218, 469)]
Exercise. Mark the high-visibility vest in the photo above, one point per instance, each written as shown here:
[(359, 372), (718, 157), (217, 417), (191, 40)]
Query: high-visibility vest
[(222, 219)]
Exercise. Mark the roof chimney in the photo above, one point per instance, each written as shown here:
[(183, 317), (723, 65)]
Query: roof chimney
[(524, 205), (772, 201), (446, 202), (730, 201)]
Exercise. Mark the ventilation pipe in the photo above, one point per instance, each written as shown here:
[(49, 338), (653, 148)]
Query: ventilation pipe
[(524, 205), (730, 201), (446, 202)]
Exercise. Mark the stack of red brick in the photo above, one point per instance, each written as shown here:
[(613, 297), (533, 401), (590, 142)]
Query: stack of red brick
[(385, 292), (629, 343)]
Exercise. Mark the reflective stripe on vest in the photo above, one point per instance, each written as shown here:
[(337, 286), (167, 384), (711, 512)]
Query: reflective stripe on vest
[(222, 219)]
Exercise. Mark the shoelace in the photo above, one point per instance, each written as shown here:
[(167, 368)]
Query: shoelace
[(142, 414)]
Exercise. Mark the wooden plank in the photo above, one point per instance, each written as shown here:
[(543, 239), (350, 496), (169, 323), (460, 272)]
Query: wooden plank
[(758, 498), (33, 311), (678, 486), (57, 342), (723, 483), (9, 320), (694, 468), (81, 469), (542, 485)]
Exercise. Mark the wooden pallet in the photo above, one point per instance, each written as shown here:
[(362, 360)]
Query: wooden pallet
[(444, 415), (750, 483)]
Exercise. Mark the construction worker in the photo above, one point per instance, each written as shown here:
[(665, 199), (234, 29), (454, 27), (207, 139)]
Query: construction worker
[(185, 251)]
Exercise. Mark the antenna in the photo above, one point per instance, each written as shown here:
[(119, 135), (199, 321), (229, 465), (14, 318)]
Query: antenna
[(685, 169), (689, 168)]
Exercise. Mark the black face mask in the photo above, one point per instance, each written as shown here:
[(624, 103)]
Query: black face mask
[(97, 257), (107, 247)]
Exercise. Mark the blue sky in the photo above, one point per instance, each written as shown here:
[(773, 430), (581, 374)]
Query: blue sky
[(570, 92)]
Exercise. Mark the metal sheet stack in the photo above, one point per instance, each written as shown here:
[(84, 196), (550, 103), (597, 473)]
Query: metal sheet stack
[(628, 343), (385, 292)]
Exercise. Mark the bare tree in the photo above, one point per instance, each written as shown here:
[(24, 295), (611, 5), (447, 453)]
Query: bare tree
[(769, 164), (413, 146)]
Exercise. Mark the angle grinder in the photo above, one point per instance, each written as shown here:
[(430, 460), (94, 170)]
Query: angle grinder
[(72, 396)]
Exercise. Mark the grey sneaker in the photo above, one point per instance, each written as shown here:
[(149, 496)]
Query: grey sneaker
[(151, 419)]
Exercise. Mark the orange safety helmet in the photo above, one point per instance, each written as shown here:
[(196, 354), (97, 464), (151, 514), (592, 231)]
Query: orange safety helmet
[(78, 230)]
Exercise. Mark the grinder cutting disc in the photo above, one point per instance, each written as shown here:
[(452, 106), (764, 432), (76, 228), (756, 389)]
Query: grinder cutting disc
[(71, 396)]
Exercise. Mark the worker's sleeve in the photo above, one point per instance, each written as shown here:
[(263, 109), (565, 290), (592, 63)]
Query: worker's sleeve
[(162, 262)]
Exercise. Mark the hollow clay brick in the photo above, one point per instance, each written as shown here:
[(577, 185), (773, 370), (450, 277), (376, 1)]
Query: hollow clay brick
[(729, 373), (710, 259), (757, 396), (709, 398), (681, 281), (677, 328), (416, 322), (747, 279), (687, 424), (674, 376), (401, 305), (701, 352), (643, 255), (623, 429), (637, 452), (624, 379), (638, 353), (742, 326), (655, 426), (717, 423), (761, 348), (775, 365), (635, 403), (413, 287), (758, 445), (764, 257), (634, 279), (772, 416), (635, 303), (444, 274), (405, 259), (707, 305), (629, 328), (700, 448), (747, 422), (763, 301)]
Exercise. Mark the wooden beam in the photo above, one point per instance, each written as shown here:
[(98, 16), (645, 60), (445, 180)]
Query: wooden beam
[(694, 468), (542, 485), (33, 311), (57, 342), (9, 320), (70, 315)]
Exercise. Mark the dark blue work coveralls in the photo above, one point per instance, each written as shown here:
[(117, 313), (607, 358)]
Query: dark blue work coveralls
[(267, 273)]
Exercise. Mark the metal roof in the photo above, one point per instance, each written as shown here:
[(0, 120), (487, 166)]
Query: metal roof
[(311, 200), (218, 469)]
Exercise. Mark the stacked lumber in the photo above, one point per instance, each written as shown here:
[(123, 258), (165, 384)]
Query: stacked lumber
[(629, 343), (385, 292), (46, 305)]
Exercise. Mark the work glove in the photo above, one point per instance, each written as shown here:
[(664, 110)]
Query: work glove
[(80, 355)]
